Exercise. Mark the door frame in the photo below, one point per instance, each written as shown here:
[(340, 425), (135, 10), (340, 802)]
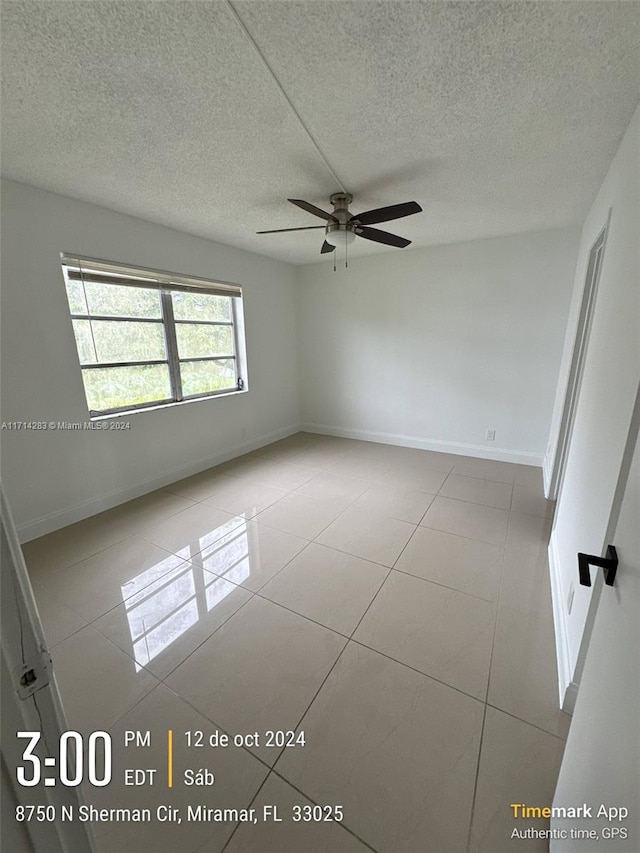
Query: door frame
[(24, 644), (578, 357)]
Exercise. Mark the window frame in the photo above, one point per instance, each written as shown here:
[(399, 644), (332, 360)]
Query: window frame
[(76, 268)]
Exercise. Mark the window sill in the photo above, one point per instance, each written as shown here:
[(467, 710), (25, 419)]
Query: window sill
[(172, 405)]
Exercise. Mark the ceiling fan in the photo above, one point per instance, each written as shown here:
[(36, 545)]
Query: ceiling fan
[(343, 227)]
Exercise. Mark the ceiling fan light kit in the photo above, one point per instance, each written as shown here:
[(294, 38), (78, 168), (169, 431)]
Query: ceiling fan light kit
[(339, 235), (343, 227)]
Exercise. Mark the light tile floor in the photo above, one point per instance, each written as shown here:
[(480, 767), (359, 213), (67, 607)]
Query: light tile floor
[(392, 604)]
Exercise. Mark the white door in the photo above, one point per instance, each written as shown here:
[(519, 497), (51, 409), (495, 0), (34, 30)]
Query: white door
[(602, 411), (601, 764)]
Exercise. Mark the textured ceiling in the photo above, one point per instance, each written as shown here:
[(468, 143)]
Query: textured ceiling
[(497, 117)]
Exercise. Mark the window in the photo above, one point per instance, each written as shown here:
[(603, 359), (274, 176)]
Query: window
[(149, 338)]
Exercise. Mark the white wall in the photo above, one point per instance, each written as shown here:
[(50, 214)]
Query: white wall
[(429, 347), (432, 347), (54, 478), (606, 397)]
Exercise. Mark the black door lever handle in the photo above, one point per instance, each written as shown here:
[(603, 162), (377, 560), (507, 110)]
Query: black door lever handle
[(608, 563)]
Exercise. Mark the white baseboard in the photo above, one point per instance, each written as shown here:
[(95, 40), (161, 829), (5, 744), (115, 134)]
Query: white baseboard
[(546, 478), (71, 514), (499, 454), (570, 696), (567, 688)]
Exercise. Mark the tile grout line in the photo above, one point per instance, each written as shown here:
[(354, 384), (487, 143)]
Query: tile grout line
[(527, 722), (444, 586), (297, 725), (418, 671), (300, 791), (473, 503), (273, 772), (181, 566), (485, 703), (238, 823), (495, 623), (160, 681), (475, 783), (383, 582), (163, 680), (38, 577), (348, 640), (315, 696), (461, 535)]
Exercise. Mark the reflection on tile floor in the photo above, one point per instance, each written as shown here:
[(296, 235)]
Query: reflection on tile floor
[(392, 604)]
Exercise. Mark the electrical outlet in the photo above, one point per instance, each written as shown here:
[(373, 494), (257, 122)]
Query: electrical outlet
[(570, 598), (490, 435)]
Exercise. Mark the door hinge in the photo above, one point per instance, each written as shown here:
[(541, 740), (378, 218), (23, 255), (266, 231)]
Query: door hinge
[(34, 674)]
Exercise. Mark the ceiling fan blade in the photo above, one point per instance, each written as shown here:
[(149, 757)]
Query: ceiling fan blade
[(279, 230), (382, 237), (386, 214), (311, 208), (327, 247)]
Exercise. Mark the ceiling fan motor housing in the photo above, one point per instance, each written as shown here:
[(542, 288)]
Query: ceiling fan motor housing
[(341, 202)]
